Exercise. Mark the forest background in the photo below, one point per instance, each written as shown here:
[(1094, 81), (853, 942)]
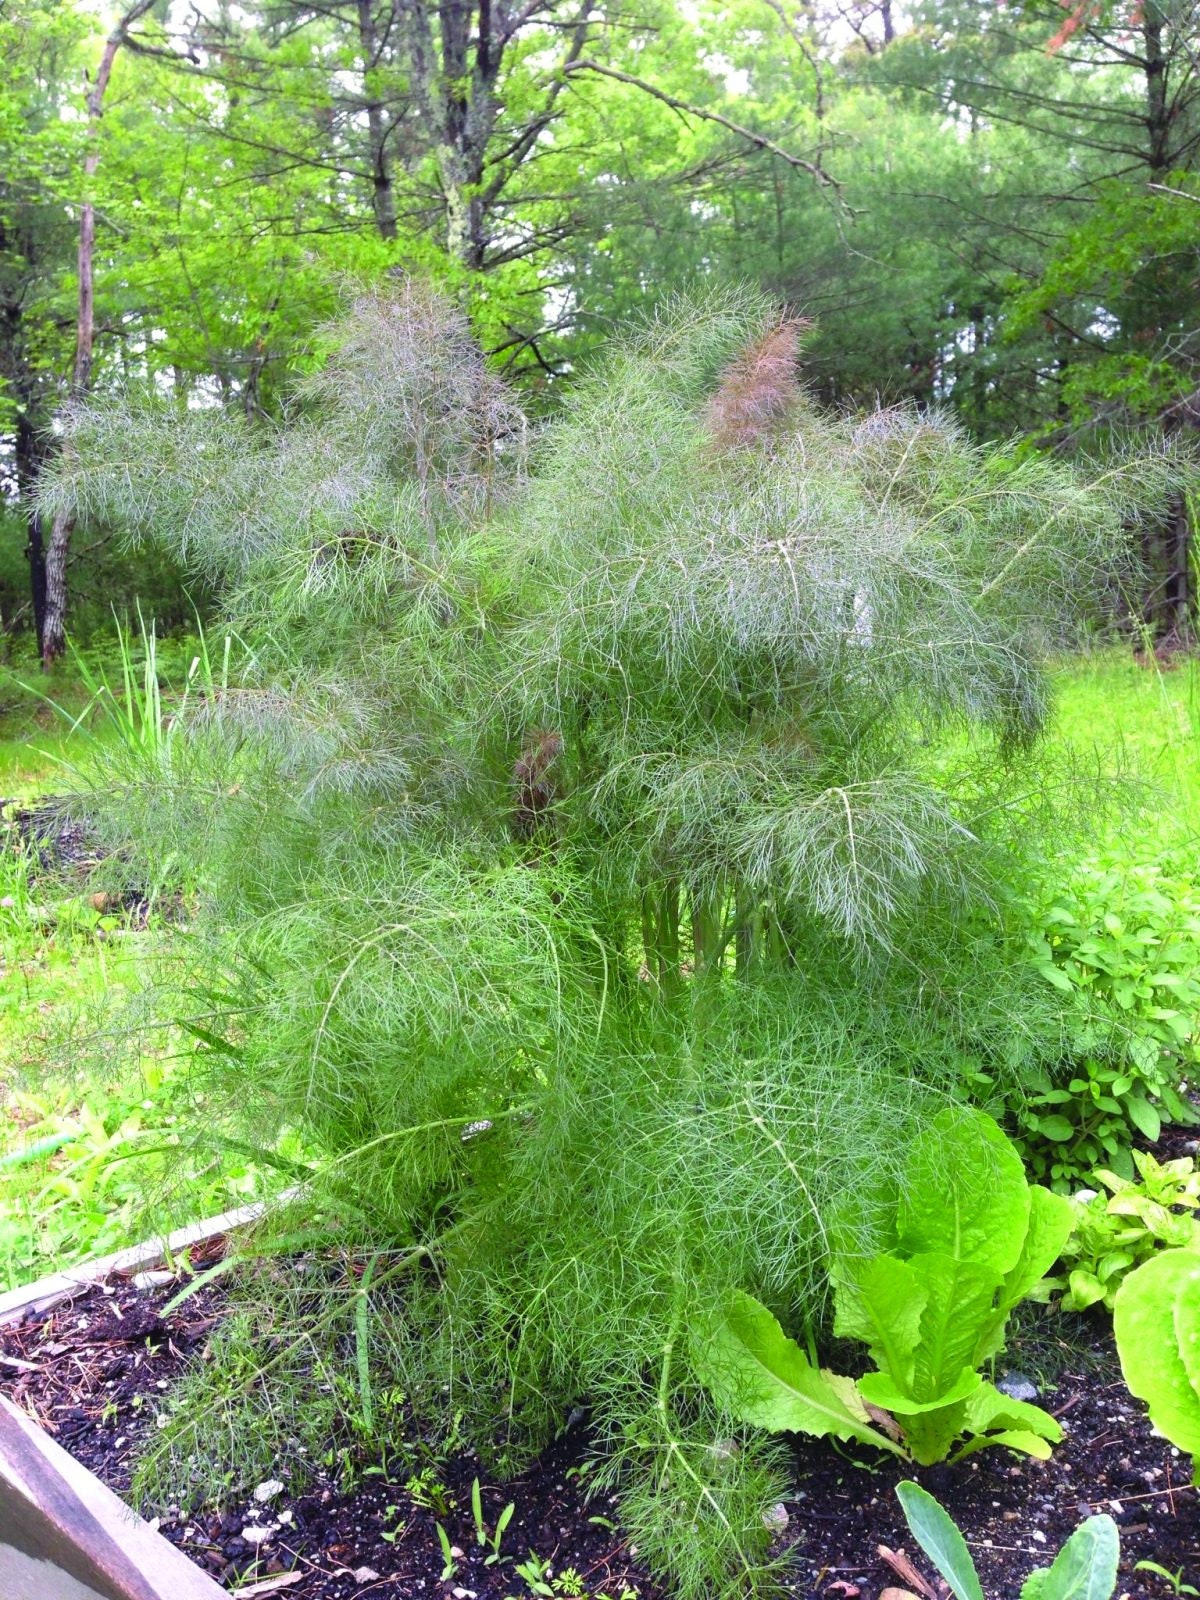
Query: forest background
[(983, 206)]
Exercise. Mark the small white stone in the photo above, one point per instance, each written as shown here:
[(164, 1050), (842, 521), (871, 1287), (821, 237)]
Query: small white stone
[(267, 1490), (286, 1518), (457, 1553), (153, 1279), (1039, 1536), (775, 1518), (253, 1535), (365, 1575)]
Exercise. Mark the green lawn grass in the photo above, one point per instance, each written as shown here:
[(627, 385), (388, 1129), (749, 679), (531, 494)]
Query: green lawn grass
[(89, 1161), (1144, 720)]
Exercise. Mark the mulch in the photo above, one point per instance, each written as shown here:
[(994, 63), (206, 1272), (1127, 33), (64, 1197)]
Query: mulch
[(1015, 1513), (93, 1372)]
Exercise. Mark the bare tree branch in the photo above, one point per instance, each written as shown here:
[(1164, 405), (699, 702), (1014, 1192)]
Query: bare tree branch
[(685, 109)]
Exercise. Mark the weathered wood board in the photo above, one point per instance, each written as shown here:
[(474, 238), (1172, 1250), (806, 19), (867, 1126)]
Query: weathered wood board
[(60, 1286), (64, 1536)]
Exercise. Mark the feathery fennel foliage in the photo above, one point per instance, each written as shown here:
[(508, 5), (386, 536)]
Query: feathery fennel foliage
[(600, 865)]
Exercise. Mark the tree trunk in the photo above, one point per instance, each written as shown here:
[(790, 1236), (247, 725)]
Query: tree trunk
[(53, 633), (35, 550), (1158, 116), (27, 458), (468, 119), (1178, 585), (382, 200)]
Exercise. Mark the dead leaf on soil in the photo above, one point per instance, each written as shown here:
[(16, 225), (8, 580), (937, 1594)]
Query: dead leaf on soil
[(281, 1580), (897, 1594), (885, 1421), (904, 1569)]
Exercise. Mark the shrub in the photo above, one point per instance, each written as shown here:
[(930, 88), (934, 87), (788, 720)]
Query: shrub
[(1122, 941), (575, 880)]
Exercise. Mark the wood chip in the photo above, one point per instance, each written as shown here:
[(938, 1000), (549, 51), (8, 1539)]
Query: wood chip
[(904, 1570), (18, 1365), (281, 1580)]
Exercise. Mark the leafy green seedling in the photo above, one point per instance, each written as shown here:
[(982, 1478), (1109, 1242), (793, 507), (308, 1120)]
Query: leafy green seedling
[(1084, 1569), (450, 1561), (934, 1530), (427, 1491), (481, 1531), (1173, 1579), (537, 1575)]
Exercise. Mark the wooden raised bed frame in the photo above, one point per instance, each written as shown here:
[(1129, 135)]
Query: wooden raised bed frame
[(63, 1534)]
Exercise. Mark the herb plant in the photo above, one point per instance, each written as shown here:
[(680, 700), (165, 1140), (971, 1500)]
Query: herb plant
[(966, 1239), (584, 858), (1123, 942), (1114, 1231)]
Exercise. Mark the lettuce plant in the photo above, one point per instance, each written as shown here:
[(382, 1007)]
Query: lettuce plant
[(965, 1238), (1156, 1319), (1084, 1569)]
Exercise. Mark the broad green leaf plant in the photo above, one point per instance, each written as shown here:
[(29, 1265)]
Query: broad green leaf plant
[(1084, 1569), (965, 1239), (1156, 1319), (1114, 1231)]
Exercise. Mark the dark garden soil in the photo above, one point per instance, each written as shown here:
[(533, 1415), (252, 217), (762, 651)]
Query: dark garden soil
[(92, 1371)]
